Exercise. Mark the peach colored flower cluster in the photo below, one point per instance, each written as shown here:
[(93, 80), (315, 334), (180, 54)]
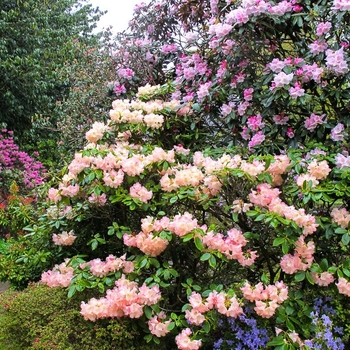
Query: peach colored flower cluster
[(68, 190), (101, 268), (153, 245), (266, 196), (64, 238), (316, 171), (302, 258), (184, 342), (96, 132), (157, 326), (343, 286), (278, 167), (125, 299), (268, 299), (230, 245), (341, 217), (322, 279), (134, 112), (54, 195), (225, 304), (239, 206), (202, 174), (148, 243), (60, 276), (140, 192), (99, 200)]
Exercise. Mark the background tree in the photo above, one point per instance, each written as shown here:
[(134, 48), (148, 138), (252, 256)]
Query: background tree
[(37, 39)]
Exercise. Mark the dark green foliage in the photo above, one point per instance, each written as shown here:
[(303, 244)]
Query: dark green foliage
[(43, 318), (37, 37)]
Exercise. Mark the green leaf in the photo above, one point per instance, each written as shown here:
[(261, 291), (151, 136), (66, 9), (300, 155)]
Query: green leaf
[(212, 261), (278, 241), (171, 326), (205, 257), (148, 311), (345, 239), (173, 199), (198, 243), (276, 341), (300, 276)]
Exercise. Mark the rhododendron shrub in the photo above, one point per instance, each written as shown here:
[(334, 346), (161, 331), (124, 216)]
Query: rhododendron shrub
[(188, 238), (284, 64), (17, 166)]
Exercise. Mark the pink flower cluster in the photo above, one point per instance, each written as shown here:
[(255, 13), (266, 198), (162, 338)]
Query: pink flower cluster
[(313, 121), (342, 160), (125, 299), (184, 342), (343, 285), (268, 299), (230, 245), (341, 217), (140, 192), (341, 5), (322, 279), (316, 171), (60, 276), (64, 238), (224, 303), (266, 196), (101, 268), (336, 62), (12, 158), (302, 258), (337, 133), (153, 245), (157, 326)]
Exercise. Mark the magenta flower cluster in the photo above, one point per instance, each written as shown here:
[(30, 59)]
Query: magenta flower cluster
[(12, 161)]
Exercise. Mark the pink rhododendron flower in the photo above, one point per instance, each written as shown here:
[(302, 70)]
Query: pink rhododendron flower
[(341, 217), (282, 79), (342, 161), (296, 91), (257, 139), (313, 121), (336, 62), (319, 170), (157, 326), (337, 133), (96, 133), (184, 342), (64, 238), (140, 192), (54, 195), (343, 285), (60, 276), (322, 279), (323, 28), (307, 178), (318, 46), (99, 200), (255, 122)]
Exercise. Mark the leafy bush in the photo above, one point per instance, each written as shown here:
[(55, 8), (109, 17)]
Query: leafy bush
[(42, 318)]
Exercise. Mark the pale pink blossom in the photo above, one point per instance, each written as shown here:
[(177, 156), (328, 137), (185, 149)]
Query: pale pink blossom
[(140, 192), (184, 342), (64, 238), (157, 326), (343, 286), (322, 279)]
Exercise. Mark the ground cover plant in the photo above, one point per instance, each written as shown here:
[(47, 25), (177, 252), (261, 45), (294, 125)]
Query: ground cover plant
[(211, 210)]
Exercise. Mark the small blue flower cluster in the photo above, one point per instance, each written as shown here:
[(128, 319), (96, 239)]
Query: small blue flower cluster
[(326, 336), (245, 335)]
